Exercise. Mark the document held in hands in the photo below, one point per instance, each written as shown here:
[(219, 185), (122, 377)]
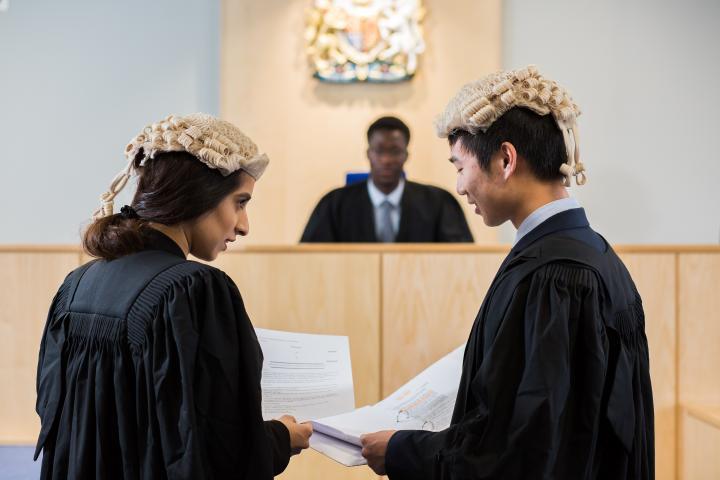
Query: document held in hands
[(305, 375), (424, 403)]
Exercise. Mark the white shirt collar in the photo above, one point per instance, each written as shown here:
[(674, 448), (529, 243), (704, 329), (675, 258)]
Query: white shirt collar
[(377, 197), (543, 213)]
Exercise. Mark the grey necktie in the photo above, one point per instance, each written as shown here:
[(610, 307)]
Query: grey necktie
[(386, 232)]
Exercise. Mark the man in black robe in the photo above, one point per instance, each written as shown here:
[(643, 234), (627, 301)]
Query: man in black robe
[(386, 207), (555, 381)]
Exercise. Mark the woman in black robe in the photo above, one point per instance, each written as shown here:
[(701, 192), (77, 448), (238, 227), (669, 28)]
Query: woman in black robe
[(149, 366)]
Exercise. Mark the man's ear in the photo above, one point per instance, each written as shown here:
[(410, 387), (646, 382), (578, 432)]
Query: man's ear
[(509, 159)]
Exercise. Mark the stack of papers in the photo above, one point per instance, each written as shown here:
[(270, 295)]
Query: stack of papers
[(424, 403), (310, 377)]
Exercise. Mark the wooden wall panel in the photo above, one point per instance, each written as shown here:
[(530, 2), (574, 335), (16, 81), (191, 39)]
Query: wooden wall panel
[(701, 444), (402, 310), (314, 132), (28, 282), (313, 465), (699, 329), (654, 276), (317, 293), (331, 293), (429, 304)]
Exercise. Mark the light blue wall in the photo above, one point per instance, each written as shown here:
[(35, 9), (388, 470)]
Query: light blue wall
[(77, 80), (645, 74)]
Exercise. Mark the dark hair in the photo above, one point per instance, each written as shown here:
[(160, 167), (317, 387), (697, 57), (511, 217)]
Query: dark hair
[(389, 123), (173, 187), (536, 138)]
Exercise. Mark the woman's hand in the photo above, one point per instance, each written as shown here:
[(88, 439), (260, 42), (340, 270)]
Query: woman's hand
[(299, 433)]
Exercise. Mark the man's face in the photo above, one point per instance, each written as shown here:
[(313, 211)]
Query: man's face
[(482, 189), (387, 152)]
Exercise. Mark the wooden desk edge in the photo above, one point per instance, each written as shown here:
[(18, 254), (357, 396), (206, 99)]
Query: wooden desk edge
[(709, 414), (378, 248)]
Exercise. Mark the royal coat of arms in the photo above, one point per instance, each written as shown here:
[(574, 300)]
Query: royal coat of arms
[(364, 40)]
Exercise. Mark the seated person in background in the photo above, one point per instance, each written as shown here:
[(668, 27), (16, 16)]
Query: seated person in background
[(386, 207)]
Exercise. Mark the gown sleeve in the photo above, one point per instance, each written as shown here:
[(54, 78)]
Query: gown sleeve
[(321, 225), (279, 438), (205, 364), (48, 385), (453, 226), (536, 396)]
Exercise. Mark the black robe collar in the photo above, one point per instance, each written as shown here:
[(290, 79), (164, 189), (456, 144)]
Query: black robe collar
[(572, 223), (156, 240), (567, 220)]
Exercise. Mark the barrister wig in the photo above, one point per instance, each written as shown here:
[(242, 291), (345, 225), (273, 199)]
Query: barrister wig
[(218, 144), (479, 104)]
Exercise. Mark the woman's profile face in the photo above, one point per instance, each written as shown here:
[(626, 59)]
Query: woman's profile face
[(210, 234)]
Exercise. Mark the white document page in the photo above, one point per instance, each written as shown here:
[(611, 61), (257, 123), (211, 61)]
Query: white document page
[(304, 375), (342, 452), (424, 403)]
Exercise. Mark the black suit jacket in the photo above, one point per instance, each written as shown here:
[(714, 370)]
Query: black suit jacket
[(428, 214)]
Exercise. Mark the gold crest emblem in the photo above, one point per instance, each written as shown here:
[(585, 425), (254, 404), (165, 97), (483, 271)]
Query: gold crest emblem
[(364, 40)]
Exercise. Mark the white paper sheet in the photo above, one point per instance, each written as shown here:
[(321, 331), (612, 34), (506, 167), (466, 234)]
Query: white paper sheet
[(342, 452), (424, 403), (304, 375)]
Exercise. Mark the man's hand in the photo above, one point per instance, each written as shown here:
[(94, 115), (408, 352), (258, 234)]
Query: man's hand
[(299, 433), (374, 446)]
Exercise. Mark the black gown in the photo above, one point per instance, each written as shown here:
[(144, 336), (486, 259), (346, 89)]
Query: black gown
[(149, 368), (555, 381), (428, 214)]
